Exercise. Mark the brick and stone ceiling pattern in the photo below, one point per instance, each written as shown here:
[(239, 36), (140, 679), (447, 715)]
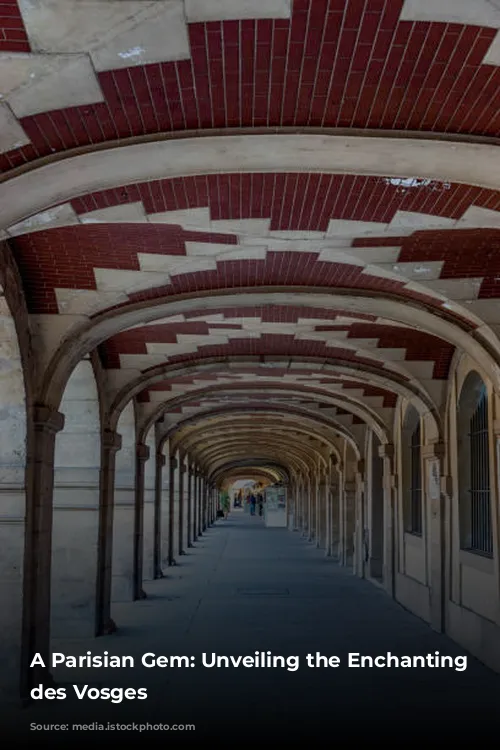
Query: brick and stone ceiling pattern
[(433, 241), (271, 404), (81, 74), (85, 73), (274, 331), (272, 378)]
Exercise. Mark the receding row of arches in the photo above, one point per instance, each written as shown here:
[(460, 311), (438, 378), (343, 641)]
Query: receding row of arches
[(409, 503)]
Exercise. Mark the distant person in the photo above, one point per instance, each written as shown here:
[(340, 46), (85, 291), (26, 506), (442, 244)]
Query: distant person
[(253, 503), (225, 505)]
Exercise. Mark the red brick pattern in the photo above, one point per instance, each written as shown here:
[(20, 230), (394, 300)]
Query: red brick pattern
[(419, 346), (13, 36), (296, 201), (337, 63), (389, 399), (66, 257)]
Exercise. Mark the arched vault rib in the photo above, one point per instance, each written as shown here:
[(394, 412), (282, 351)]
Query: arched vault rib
[(280, 442), (292, 458), (366, 413), (278, 472), (231, 413), (93, 332), (257, 474), (412, 390), (189, 442), (50, 184)]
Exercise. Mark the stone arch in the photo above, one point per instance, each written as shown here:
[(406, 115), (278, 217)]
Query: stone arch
[(15, 514), (75, 530), (148, 525), (411, 471), (447, 326), (29, 192), (123, 568)]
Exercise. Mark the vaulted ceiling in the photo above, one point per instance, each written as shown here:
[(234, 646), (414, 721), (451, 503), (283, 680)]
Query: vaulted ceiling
[(285, 210)]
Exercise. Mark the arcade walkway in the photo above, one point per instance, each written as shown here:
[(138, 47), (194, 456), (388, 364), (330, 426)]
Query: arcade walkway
[(244, 588)]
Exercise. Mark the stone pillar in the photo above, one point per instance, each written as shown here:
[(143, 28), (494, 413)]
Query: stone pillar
[(182, 504), (160, 461), (171, 510), (124, 522), (165, 510), (148, 525), (313, 509), (190, 503), (142, 455), (386, 452), (37, 560), (360, 542), (347, 522), (323, 510), (300, 505), (333, 546), (307, 507), (433, 456), (111, 442), (200, 504)]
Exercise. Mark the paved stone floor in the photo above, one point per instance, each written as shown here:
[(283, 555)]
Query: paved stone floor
[(245, 588)]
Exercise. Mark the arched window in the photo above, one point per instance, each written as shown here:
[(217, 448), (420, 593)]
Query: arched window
[(412, 472), (474, 467)]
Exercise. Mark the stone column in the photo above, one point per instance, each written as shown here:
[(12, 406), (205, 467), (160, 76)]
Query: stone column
[(37, 560), (111, 442), (307, 507), (386, 452), (182, 474), (165, 512), (333, 546), (196, 502), (160, 461), (189, 477), (124, 522), (360, 541), (148, 531), (142, 455), (433, 456), (200, 504), (313, 509), (171, 510), (323, 503), (347, 522), (300, 505)]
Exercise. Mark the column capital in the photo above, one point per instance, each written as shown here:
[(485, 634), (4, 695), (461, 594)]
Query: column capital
[(46, 419), (161, 459), (173, 462), (361, 465), (111, 440), (142, 451), (434, 450), (183, 468), (386, 450)]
